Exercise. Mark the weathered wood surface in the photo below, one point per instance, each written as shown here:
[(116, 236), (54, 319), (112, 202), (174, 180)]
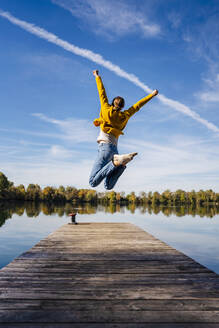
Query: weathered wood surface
[(107, 275)]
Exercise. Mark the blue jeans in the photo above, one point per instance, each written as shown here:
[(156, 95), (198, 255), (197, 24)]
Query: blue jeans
[(104, 168)]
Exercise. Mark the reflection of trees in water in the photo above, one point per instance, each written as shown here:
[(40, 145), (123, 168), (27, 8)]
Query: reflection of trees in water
[(4, 215), (205, 211), (7, 209), (33, 209)]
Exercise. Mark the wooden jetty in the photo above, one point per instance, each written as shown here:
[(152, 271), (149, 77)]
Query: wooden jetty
[(107, 275)]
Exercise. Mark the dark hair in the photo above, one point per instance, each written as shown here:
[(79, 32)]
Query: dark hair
[(120, 102)]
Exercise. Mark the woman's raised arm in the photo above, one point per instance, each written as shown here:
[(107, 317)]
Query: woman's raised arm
[(101, 89), (132, 110)]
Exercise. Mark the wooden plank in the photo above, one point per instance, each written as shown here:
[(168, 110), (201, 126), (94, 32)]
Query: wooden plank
[(107, 267), (106, 316), (111, 325), (89, 256), (117, 305), (93, 242), (109, 270), (113, 278), (174, 292), (66, 263), (135, 278), (70, 250), (85, 282), (107, 275)]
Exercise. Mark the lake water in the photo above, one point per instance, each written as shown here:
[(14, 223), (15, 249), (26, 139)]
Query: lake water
[(196, 236)]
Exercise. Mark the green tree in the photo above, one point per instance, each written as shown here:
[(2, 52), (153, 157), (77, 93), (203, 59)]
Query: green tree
[(5, 185), (33, 192), (155, 198), (48, 193), (132, 197), (112, 197), (20, 192)]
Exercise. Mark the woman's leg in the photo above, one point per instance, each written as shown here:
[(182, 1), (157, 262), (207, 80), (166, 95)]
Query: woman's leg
[(112, 178), (103, 165)]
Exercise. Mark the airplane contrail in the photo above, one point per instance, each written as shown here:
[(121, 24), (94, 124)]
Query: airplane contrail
[(97, 58)]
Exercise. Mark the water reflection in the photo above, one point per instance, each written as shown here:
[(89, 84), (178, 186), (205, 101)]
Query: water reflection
[(33, 209)]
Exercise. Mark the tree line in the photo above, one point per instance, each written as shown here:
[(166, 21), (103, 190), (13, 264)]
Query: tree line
[(71, 194)]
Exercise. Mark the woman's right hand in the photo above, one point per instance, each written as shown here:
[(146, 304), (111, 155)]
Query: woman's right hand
[(155, 92), (95, 72)]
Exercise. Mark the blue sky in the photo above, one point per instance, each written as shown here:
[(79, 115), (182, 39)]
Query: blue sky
[(49, 98)]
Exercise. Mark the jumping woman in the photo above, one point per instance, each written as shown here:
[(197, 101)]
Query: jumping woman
[(109, 165)]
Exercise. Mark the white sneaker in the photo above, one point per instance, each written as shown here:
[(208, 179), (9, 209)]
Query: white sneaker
[(123, 159)]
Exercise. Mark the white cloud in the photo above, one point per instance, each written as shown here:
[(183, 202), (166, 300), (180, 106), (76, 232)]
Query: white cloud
[(34, 133), (111, 18), (210, 96), (75, 130), (60, 152), (203, 43), (211, 81), (97, 58)]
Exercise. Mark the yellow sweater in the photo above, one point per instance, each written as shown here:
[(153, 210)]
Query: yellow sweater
[(111, 120)]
